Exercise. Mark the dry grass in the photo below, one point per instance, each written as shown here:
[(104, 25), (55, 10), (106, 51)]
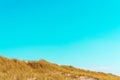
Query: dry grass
[(43, 70)]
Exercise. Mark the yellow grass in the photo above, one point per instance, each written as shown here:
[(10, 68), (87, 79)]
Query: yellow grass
[(43, 70)]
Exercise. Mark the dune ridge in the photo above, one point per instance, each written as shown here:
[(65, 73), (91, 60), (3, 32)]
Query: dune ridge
[(13, 69)]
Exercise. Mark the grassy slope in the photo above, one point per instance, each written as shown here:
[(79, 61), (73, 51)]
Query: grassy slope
[(43, 70)]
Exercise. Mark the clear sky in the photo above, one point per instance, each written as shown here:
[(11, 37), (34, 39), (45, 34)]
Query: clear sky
[(82, 33)]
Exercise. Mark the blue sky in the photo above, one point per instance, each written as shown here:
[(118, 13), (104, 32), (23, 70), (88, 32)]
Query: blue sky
[(82, 33)]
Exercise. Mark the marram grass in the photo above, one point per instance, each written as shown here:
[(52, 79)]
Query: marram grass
[(13, 69)]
